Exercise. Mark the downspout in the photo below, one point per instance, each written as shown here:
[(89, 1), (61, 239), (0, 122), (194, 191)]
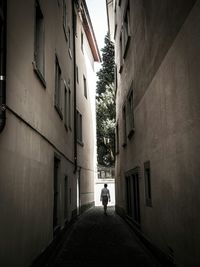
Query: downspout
[(3, 25), (74, 56)]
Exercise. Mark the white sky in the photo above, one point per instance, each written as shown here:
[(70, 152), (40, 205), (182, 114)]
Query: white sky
[(98, 15)]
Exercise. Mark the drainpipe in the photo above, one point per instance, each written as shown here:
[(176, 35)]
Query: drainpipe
[(3, 65), (74, 56)]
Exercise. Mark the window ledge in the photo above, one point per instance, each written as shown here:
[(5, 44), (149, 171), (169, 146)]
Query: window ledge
[(39, 74)]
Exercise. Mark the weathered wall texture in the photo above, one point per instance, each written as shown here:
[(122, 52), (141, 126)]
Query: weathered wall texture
[(163, 62)]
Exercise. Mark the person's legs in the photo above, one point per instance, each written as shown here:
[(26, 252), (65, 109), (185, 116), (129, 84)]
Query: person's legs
[(105, 202), (105, 208)]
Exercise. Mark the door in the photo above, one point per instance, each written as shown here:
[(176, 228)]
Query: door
[(66, 198), (56, 193), (133, 195)]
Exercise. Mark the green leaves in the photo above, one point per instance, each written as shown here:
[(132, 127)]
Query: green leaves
[(106, 73), (105, 106)]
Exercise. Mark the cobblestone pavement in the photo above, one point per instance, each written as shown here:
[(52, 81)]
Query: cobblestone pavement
[(99, 240)]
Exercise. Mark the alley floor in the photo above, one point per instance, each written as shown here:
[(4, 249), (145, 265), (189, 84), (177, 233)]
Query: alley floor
[(98, 240)]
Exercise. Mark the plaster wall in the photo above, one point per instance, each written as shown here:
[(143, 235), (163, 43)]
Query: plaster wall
[(86, 106), (34, 132), (167, 129)]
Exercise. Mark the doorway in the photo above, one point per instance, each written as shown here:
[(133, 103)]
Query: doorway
[(56, 194), (133, 195)]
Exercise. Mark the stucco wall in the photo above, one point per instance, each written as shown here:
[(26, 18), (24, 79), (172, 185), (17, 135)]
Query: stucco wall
[(86, 106), (167, 133), (34, 132)]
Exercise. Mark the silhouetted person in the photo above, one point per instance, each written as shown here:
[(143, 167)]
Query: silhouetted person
[(105, 197)]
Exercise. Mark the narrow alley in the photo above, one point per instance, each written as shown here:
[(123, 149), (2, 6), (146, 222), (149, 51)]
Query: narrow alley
[(97, 94), (97, 240)]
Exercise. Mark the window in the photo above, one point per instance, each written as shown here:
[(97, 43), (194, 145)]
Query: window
[(117, 139), (115, 78), (126, 30), (77, 76), (133, 195), (58, 88), (147, 177), (121, 60), (79, 127), (124, 125), (75, 27), (66, 107), (130, 115), (69, 108), (39, 43), (82, 41), (65, 18), (69, 42), (85, 86), (115, 16)]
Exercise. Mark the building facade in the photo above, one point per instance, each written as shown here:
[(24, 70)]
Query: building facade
[(39, 160), (157, 131), (87, 54)]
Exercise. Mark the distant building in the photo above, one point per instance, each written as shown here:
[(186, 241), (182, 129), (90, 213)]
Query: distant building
[(157, 132), (45, 178)]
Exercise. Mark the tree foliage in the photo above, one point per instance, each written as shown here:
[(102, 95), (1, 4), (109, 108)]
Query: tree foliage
[(105, 106), (106, 73)]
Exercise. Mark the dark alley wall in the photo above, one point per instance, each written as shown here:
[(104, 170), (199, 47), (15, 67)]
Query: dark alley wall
[(158, 110)]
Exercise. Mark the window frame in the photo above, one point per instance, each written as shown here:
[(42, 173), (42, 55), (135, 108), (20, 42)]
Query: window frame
[(65, 19), (69, 42), (58, 86), (147, 181), (39, 44), (126, 29), (79, 122), (130, 114), (85, 86), (115, 19), (116, 79), (82, 41), (77, 74), (121, 59)]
